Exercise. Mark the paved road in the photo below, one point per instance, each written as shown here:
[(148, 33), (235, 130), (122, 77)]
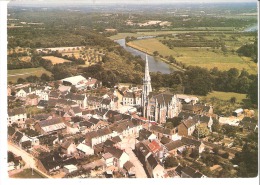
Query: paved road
[(27, 158), (128, 145)]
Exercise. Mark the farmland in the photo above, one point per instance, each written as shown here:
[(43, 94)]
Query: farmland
[(14, 75), (225, 96), (55, 60), (207, 57)]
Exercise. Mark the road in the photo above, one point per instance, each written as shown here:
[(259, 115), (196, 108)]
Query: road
[(128, 144), (27, 158)]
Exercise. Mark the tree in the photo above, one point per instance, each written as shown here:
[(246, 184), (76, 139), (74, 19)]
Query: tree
[(253, 91), (198, 81), (45, 77), (201, 131), (170, 162), (195, 154), (155, 53), (21, 80), (233, 100)]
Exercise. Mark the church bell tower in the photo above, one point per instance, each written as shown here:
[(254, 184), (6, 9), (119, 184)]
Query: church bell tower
[(147, 87)]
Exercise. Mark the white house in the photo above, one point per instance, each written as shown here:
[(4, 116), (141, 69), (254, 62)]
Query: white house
[(17, 115), (119, 157), (84, 149)]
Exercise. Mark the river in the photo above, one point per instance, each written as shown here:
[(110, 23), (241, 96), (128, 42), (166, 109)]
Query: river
[(155, 65)]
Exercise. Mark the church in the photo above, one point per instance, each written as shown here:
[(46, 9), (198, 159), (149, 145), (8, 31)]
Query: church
[(157, 107)]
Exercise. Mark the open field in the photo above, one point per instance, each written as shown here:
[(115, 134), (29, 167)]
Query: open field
[(150, 32), (27, 173), (225, 96), (196, 56), (13, 75), (55, 60)]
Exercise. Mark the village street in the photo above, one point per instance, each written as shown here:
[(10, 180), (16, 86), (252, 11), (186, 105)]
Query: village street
[(128, 145)]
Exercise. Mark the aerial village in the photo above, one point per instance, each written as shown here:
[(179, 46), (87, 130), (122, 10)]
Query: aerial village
[(76, 128)]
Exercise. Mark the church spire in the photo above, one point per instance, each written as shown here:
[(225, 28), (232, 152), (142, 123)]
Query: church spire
[(147, 87)]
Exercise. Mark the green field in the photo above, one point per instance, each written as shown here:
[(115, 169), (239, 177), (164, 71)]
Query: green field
[(196, 56), (27, 173), (225, 96), (150, 32), (13, 75)]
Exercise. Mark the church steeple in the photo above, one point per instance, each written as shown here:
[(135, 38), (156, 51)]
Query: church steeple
[(147, 87)]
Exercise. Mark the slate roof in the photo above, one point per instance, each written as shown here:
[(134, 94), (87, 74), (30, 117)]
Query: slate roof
[(143, 148), (11, 131), (32, 96), (117, 153), (174, 145), (165, 140), (106, 101), (17, 136), (116, 139), (152, 161), (49, 122), (128, 165), (178, 170), (129, 95), (163, 98), (76, 110), (204, 119), (185, 115), (41, 117), (93, 120), (159, 129), (26, 144), (42, 103), (72, 96), (54, 94), (144, 134), (86, 124), (66, 144), (189, 122), (16, 111)]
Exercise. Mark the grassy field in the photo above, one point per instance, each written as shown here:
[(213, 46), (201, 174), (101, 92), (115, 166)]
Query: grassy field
[(55, 60), (225, 96), (196, 56), (27, 173), (13, 75)]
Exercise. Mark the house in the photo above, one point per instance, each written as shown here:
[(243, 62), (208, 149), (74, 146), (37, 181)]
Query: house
[(53, 162), (22, 140), (130, 168), (156, 149), (50, 126), (42, 104), (145, 134), (107, 103), (31, 99), (94, 102), (17, 115), (119, 157), (153, 168), (142, 152), (75, 111), (175, 147), (70, 168), (68, 147), (54, 94), (237, 112), (84, 150), (188, 172), (78, 81), (22, 93), (193, 143), (183, 98), (80, 99), (208, 121), (187, 127), (125, 128), (48, 140), (96, 137), (41, 117), (161, 131), (93, 83), (130, 98)]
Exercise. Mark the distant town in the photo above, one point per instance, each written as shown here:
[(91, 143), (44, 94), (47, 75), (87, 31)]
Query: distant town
[(125, 100)]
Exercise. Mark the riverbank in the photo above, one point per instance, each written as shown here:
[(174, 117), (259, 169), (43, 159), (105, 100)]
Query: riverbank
[(173, 66)]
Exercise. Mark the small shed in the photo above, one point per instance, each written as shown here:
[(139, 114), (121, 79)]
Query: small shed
[(70, 168), (238, 112)]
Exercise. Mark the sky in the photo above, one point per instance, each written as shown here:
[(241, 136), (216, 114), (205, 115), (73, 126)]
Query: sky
[(129, 1)]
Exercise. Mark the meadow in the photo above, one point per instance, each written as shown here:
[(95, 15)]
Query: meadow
[(198, 56), (14, 75), (55, 60)]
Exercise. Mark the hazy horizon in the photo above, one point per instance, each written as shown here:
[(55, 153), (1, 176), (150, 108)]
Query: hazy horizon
[(13, 2)]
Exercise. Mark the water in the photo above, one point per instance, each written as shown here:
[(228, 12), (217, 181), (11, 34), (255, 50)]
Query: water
[(155, 65), (251, 28)]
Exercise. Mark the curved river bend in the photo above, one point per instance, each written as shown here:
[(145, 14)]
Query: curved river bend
[(155, 65)]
